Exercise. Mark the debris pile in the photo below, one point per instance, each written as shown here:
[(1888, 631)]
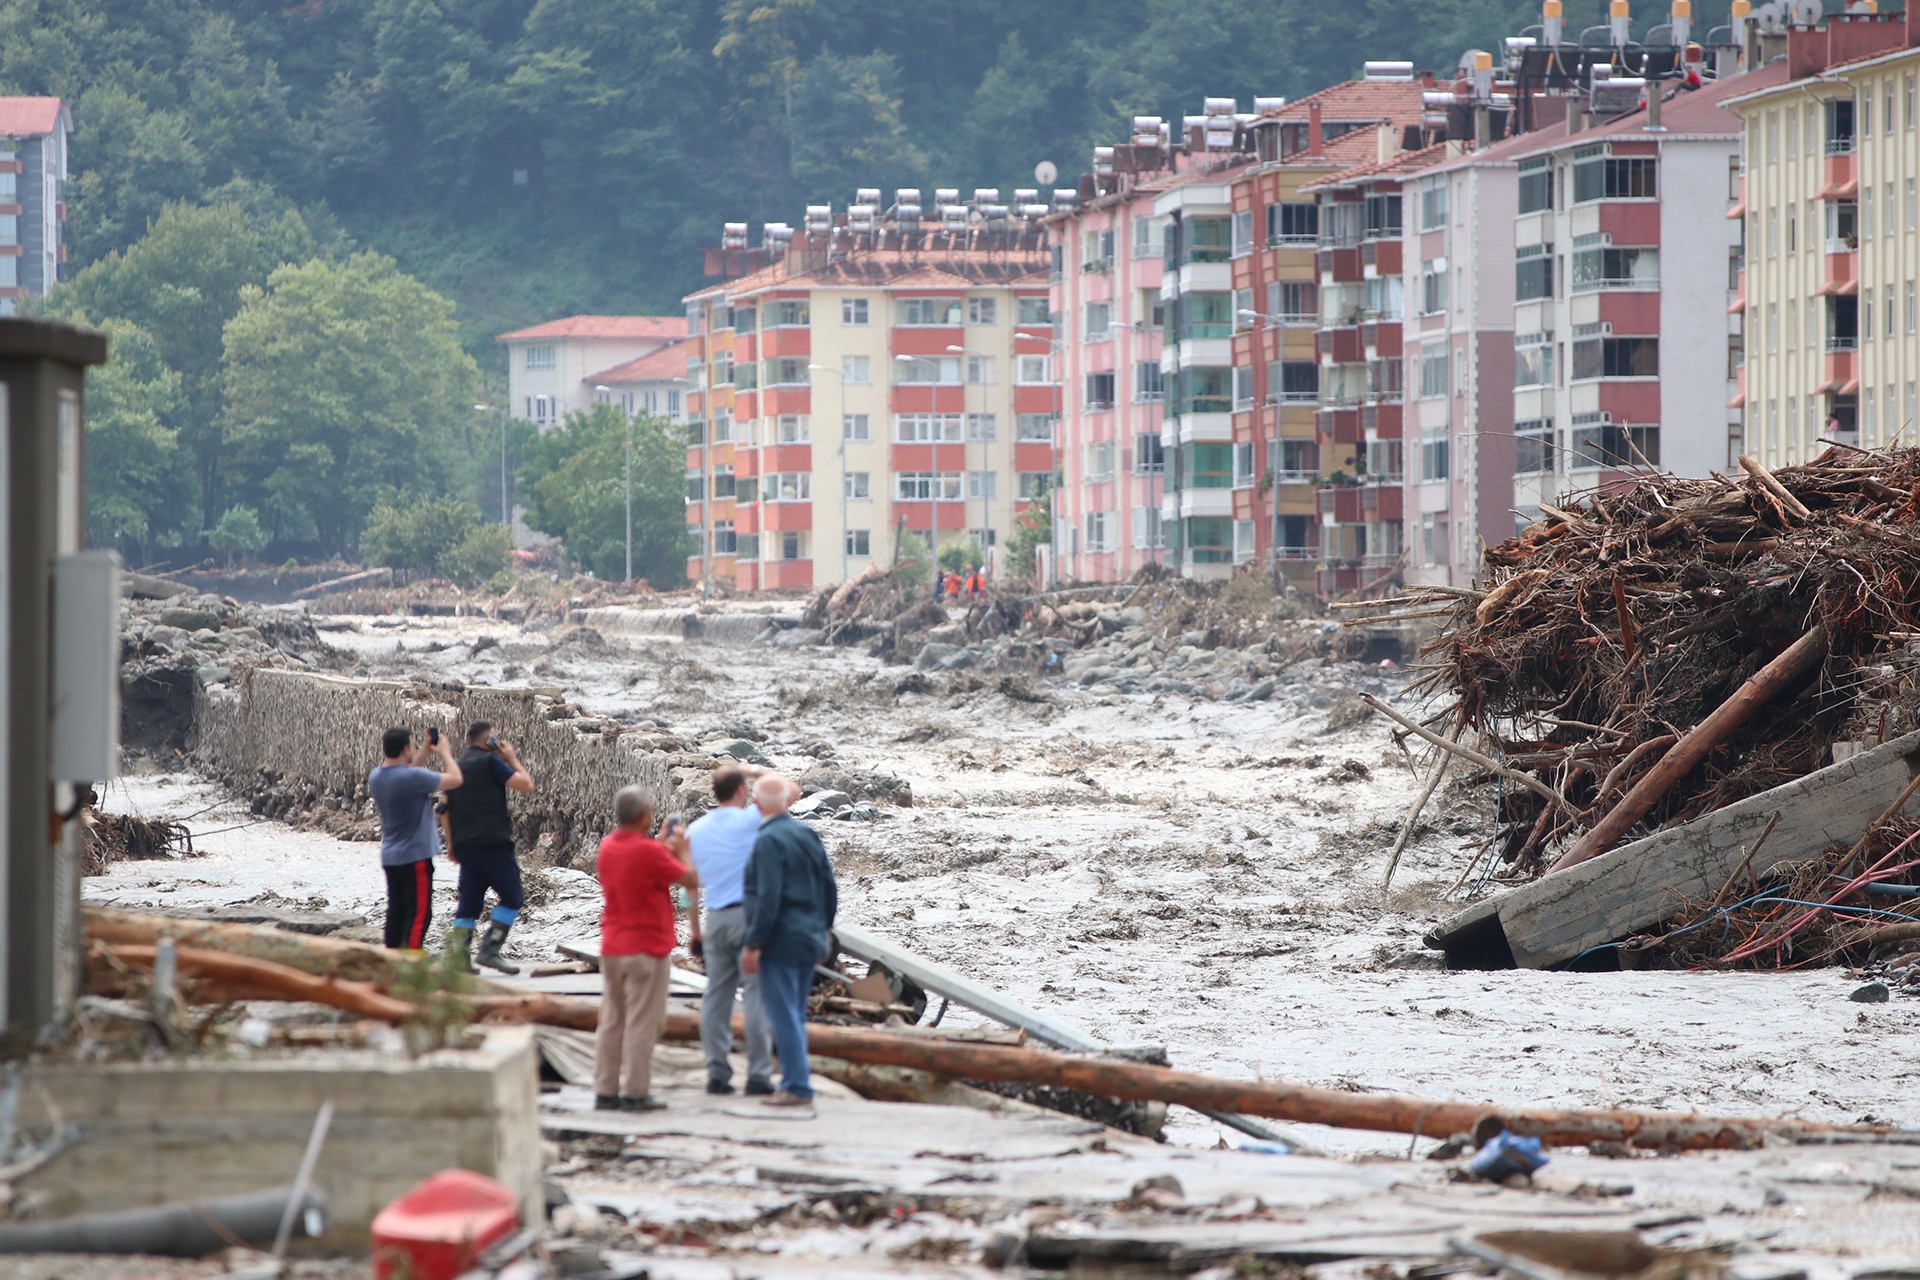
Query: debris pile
[(120, 837), (1670, 646)]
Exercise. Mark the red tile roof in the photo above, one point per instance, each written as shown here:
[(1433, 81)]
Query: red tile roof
[(1406, 162), (658, 328), (28, 117), (669, 361), (1397, 100)]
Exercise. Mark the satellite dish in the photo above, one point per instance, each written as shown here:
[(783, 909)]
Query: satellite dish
[(1046, 172)]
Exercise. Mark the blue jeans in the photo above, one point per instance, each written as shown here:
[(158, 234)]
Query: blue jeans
[(783, 994)]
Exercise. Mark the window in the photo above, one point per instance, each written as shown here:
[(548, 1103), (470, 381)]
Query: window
[(746, 490), (788, 486), (723, 539), (1906, 109), (1035, 311), (1299, 381), (793, 428), (1147, 535), (930, 311), (1603, 267), (856, 369), (1293, 223), (1384, 461), (983, 310), (1433, 457), (1099, 390), (1840, 127), (983, 486), (1533, 361), (858, 542), (747, 546), (1910, 311), (788, 371), (1210, 540), (1099, 322), (1866, 315), (537, 357), (983, 426), (1212, 466), (1033, 428), (539, 408), (856, 485), (1242, 387), (853, 311), (1536, 184), (1149, 237), (1533, 272), (1433, 205), (1383, 378), (696, 431), (1029, 370), (1597, 176), (1243, 233), (1099, 531), (1099, 462), (1149, 384), (926, 428), (1382, 217), (1433, 285), (1243, 465), (744, 319), (1609, 445), (980, 371), (944, 370), (788, 314), (1863, 113), (793, 545), (926, 486), (1033, 485), (696, 486), (1910, 205), (1433, 373), (723, 481), (1294, 302), (1532, 447), (1096, 251), (1608, 357), (1149, 455)]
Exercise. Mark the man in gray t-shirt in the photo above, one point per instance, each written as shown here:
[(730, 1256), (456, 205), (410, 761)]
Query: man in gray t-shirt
[(402, 792)]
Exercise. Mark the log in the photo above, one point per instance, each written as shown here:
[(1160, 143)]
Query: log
[(327, 957), (1793, 662), (1485, 761), (321, 588), (1766, 480), (1105, 1077)]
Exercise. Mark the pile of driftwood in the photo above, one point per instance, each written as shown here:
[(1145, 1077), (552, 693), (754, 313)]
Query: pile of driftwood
[(1669, 646), (122, 837)]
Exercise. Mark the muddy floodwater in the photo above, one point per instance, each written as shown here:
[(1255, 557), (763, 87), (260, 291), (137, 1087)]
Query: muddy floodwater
[(1198, 874)]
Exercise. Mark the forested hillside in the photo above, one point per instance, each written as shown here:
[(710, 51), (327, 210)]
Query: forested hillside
[(532, 157)]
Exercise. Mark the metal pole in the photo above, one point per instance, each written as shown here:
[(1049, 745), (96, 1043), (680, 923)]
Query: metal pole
[(846, 570), (630, 498), (506, 512)]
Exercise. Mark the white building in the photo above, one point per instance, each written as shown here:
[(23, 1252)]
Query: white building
[(33, 179), (552, 368), (655, 384)]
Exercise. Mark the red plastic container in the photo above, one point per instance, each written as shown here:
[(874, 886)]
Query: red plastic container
[(437, 1230)]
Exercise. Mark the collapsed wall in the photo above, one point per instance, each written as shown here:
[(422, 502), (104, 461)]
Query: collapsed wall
[(299, 743)]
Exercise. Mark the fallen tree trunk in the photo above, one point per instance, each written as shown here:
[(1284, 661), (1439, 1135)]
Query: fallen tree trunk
[(327, 957), (1106, 1077), (1760, 688), (321, 588)]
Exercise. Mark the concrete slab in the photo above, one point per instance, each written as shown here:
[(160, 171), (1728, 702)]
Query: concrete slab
[(161, 1131)]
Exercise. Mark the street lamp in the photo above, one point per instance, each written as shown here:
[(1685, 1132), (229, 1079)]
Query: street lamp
[(840, 374), (986, 458), (629, 579), (506, 514), (1273, 498)]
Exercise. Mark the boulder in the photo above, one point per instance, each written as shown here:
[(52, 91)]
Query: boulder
[(948, 633), (957, 660), (933, 654), (143, 586), (187, 619), (821, 803)]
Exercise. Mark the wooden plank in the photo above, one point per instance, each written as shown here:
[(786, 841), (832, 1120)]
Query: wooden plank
[(1641, 884)]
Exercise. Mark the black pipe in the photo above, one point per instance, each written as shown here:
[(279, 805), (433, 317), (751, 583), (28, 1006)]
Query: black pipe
[(185, 1229)]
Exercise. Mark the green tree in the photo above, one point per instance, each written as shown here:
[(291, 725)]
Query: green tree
[(137, 493), (435, 535), (574, 486), (485, 551), (239, 530), (343, 382), (1032, 529)]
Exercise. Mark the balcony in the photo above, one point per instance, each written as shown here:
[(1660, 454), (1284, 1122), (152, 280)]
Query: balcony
[(1339, 426), (1840, 146), (1342, 345), (1382, 255), (1843, 342)]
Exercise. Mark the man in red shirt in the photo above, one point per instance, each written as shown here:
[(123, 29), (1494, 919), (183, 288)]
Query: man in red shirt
[(637, 875)]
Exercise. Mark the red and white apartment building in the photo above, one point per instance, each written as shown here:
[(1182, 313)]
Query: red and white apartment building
[(882, 374)]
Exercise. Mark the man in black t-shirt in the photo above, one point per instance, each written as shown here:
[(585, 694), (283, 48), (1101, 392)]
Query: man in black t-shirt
[(482, 845)]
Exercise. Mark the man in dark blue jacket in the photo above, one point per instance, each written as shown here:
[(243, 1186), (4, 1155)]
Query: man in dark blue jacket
[(790, 901)]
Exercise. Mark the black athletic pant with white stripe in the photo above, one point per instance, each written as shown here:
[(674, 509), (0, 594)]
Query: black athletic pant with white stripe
[(409, 904)]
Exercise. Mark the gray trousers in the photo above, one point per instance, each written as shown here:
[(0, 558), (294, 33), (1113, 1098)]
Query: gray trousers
[(726, 934)]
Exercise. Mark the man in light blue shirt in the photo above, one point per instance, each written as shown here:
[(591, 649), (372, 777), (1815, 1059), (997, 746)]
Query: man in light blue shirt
[(720, 843)]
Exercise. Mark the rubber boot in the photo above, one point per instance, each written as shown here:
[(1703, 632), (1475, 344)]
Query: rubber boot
[(459, 950), (489, 953)]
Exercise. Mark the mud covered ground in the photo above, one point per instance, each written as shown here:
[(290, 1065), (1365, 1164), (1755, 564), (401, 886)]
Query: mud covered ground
[(1200, 874)]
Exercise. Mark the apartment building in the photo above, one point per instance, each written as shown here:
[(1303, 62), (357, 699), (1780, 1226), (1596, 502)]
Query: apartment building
[(33, 178), (886, 376), (1827, 199), (553, 368), (1201, 252)]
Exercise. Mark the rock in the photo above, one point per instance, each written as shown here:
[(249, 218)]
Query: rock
[(948, 633), (1198, 639), (1261, 692), (821, 803), (1872, 993), (742, 729), (797, 637), (957, 660), (213, 675), (933, 654), (245, 633), (741, 749), (1428, 961), (190, 619), (167, 637), (1098, 675)]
